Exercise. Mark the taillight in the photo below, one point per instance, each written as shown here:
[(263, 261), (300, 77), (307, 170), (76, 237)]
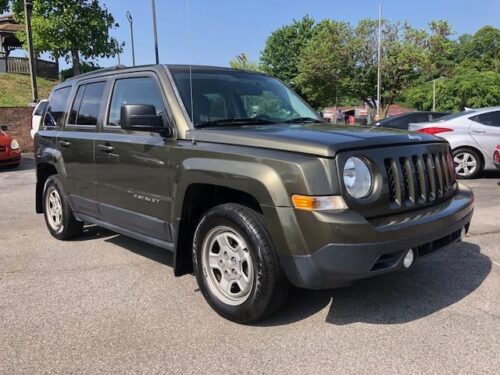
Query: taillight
[(496, 156), (435, 130)]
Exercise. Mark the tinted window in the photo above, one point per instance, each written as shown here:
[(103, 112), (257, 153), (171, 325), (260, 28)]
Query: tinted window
[(491, 118), (142, 90), (57, 107), (418, 117), (90, 104), (40, 109)]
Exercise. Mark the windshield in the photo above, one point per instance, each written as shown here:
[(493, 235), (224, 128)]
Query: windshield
[(225, 97), (454, 115)]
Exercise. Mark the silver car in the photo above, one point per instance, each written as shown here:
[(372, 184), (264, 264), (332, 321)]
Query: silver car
[(473, 136)]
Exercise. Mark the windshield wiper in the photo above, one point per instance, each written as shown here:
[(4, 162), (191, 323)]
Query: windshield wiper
[(234, 121), (301, 120)]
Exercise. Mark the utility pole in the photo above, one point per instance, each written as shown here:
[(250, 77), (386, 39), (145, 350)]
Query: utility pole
[(28, 7), (379, 54), (155, 31), (131, 21)]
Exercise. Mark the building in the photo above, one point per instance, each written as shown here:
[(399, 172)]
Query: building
[(20, 65)]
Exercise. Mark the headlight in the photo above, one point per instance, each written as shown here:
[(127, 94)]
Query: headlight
[(14, 144), (357, 178)]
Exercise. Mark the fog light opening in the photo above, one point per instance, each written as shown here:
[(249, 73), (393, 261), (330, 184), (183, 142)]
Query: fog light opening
[(409, 258)]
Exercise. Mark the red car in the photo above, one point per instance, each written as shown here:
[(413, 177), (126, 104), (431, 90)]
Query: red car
[(10, 152), (496, 156)]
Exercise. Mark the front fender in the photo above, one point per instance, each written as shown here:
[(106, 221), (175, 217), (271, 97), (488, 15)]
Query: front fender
[(258, 180)]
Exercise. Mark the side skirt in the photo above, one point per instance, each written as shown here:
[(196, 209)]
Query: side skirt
[(126, 232)]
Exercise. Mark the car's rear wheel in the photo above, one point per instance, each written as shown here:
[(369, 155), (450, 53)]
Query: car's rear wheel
[(468, 163), (58, 215), (236, 266)]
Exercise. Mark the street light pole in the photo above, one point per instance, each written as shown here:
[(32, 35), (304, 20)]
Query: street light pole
[(155, 31), (434, 93), (131, 21), (28, 7), (379, 54)]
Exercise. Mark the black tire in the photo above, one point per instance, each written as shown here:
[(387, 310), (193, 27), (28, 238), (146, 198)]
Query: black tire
[(478, 159), (269, 287), (70, 227)]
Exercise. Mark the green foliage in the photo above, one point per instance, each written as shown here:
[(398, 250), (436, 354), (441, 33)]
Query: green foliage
[(4, 6), (332, 62), (284, 47), (71, 29), (243, 62), (467, 88), (325, 63), (85, 67)]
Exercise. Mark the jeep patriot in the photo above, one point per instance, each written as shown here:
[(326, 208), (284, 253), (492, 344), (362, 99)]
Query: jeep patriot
[(237, 176)]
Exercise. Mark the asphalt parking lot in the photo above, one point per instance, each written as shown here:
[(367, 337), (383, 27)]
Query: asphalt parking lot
[(105, 303)]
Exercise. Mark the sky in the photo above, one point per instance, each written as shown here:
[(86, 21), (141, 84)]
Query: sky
[(212, 32)]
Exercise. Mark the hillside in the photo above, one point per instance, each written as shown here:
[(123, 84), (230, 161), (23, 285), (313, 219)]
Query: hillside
[(15, 89)]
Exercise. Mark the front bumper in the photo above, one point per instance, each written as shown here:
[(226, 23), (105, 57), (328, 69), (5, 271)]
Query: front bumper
[(10, 157), (373, 247)]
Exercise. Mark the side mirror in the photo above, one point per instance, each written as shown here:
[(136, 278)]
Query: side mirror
[(142, 117), (4, 128)]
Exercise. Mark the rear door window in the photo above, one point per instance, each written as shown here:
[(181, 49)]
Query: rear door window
[(490, 118), (56, 110), (87, 104)]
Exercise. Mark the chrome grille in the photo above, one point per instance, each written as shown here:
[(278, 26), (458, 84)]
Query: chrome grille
[(419, 179)]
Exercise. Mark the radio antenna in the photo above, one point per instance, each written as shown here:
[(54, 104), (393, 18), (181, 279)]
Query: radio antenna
[(188, 35)]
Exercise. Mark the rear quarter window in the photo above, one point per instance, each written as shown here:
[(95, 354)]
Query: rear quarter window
[(57, 107)]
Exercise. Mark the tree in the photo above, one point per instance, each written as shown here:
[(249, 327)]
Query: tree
[(284, 47), (325, 63), (4, 6), (467, 88), (244, 63), (481, 50), (71, 29), (85, 67)]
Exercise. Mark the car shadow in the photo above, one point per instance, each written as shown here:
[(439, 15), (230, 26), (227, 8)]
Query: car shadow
[(432, 284), (92, 232), (490, 175)]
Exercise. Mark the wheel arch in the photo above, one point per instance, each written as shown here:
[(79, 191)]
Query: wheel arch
[(203, 184)]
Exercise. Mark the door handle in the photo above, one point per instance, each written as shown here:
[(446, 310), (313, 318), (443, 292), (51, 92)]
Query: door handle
[(479, 131), (65, 143), (105, 148)]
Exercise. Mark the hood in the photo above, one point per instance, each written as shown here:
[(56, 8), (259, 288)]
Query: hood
[(316, 139)]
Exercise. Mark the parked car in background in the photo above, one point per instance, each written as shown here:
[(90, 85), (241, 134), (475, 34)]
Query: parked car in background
[(38, 113), (10, 152), (473, 136), (403, 121), (496, 157)]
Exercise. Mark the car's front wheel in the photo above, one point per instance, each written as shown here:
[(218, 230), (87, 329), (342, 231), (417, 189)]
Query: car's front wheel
[(58, 215), (468, 163), (236, 266)]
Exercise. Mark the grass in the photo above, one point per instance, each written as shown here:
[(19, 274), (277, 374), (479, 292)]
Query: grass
[(15, 89)]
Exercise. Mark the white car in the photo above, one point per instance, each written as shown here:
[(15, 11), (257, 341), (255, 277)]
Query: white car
[(37, 116), (473, 136)]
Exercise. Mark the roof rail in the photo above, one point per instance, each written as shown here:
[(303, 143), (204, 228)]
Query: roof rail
[(103, 70)]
